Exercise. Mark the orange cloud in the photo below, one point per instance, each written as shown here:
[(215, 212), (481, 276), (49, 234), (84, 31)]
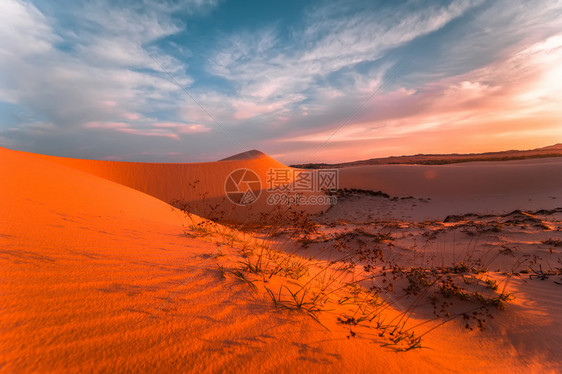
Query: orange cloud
[(182, 127), (515, 102)]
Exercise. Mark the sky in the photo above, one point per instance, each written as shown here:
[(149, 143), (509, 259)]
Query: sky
[(303, 81)]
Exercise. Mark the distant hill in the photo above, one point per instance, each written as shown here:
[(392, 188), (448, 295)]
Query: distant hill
[(441, 159)]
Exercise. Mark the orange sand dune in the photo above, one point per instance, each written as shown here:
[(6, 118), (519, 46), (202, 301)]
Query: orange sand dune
[(169, 182), (99, 277)]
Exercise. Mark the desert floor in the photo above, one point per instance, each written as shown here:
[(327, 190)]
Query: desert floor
[(452, 268)]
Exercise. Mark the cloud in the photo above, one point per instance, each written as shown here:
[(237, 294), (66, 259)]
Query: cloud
[(182, 128), (104, 69), (167, 129), (516, 99), (269, 72), (24, 31), (116, 74)]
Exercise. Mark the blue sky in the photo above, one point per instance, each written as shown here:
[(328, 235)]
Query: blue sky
[(199, 80)]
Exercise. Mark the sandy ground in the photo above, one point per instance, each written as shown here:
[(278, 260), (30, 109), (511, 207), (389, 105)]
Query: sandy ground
[(98, 274), (493, 187)]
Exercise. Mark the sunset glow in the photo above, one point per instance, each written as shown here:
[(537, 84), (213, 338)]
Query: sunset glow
[(305, 82)]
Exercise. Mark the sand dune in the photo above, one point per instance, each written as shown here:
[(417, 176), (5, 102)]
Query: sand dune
[(169, 182), (493, 187), (98, 276)]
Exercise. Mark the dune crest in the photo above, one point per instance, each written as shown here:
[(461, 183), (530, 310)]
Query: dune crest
[(253, 154), (201, 185)]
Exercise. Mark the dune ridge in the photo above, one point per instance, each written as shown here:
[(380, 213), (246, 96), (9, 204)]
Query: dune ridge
[(170, 181), (201, 185)]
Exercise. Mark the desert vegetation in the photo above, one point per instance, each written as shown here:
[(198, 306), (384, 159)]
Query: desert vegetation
[(362, 277)]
